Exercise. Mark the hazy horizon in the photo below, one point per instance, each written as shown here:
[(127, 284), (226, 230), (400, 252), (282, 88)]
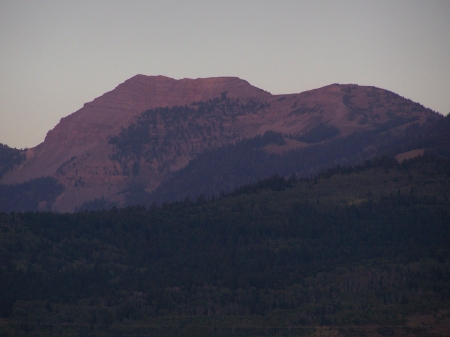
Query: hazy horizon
[(58, 55)]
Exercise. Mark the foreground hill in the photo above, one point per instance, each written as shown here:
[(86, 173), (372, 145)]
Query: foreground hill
[(358, 251), (137, 143)]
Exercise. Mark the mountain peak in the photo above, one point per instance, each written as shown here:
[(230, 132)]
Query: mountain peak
[(198, 88), (103, 117), (79, 152)]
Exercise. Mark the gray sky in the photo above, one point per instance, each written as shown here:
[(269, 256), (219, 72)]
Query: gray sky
[(57, 55)]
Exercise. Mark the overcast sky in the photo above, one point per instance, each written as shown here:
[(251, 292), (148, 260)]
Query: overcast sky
[(57, 55)]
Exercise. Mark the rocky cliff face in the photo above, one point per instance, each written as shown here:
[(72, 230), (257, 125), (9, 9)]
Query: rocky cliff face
[(92, 125), (106, 114), (80, 152)]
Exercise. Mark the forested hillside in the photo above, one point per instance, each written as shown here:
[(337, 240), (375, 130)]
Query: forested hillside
[(9, 157), (227, 168), (353, 249), (34, 195), (189, 130)]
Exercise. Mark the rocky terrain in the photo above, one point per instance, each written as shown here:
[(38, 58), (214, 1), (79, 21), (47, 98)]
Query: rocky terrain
[(140, 134)]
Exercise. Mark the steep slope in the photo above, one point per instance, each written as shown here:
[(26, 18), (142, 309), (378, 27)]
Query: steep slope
[(91, 126), (81, 139), (135, 136)]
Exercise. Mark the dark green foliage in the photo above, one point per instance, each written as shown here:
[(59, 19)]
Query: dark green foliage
[(96, 205), (221, 170), (182, 125), (224, 169), (393, 123), (436, 138), (160, 136), (357, 245), (36, 194), (33, 195), (394, 105), (319, 133), (303, 109), (275, 183), (271, 137), (9, 157)]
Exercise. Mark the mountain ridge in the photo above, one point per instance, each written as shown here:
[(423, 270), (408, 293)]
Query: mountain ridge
[(74, 134), (78, 152)]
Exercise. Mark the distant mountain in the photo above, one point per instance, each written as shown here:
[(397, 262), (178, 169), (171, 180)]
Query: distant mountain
[(156, 139)]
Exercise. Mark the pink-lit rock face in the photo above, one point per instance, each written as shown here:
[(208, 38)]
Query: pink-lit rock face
[(90, 127), (107, 113), (78, 154)]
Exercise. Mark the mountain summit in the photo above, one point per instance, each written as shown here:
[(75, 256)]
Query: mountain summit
[(150, 131)]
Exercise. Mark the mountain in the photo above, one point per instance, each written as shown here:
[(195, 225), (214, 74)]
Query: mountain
[(154, 138)]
